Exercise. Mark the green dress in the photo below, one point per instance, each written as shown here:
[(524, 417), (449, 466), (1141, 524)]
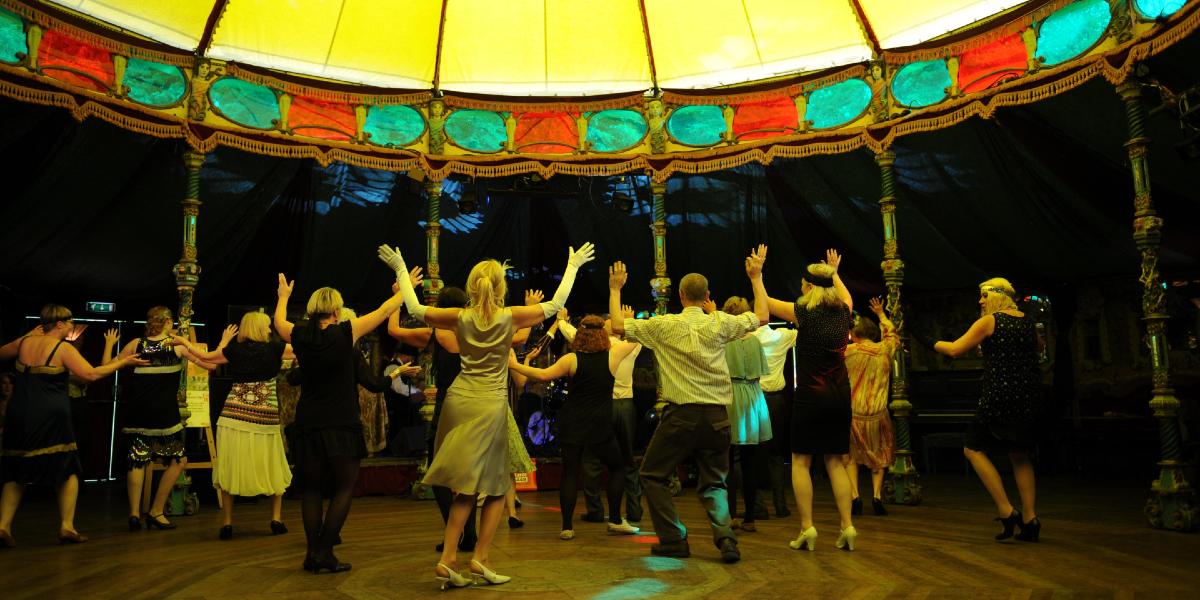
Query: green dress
[(750, 423)]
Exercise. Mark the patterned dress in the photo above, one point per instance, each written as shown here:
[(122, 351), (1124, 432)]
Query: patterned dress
[(821, 411), (869, 365), (1008, 404), (250, 454), (152, 421)]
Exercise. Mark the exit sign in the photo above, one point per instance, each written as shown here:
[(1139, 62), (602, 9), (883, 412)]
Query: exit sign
[(101, 307)]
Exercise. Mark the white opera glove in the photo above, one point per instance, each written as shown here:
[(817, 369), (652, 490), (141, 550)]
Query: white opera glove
[(575, 259), (393, 259)]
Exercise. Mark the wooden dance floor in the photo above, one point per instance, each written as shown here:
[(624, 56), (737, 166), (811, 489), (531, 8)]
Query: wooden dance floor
[(1095, 544)]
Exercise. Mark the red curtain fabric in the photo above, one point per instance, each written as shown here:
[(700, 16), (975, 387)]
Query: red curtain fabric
[(311, 117), (60, 50), (546, 133), (989, 65), (767, 118)]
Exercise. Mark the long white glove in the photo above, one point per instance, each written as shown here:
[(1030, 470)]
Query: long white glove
[(575, 259), (392, 258)]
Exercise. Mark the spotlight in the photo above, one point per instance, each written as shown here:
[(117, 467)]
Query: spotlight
[(466, 202)]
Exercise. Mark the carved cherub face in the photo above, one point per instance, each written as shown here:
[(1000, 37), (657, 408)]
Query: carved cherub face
[(876, 72)]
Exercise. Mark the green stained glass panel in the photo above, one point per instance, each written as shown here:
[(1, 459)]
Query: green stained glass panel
[(12, 37), (1071, 30), (1156, 9), (154, 84), (697, 125), (616, 130), (838, 104), (477, 130), (245, 103), (921, 83), (393, 125)]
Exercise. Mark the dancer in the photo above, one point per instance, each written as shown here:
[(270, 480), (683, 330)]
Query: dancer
[(326, 438), (776, 343), (624, 426), (869, 365), (592, 367), (251, 460), (748, 417), (689, 349), (39, 442), (152, 422), (821, 413), (471, 453), (1004, 421)]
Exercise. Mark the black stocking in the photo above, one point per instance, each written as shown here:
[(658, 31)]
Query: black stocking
[(344, 473), (609, 453), (749, 456), (311, 509)]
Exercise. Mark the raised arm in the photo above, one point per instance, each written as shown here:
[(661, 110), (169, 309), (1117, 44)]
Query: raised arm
[(360, 326), (617, 275), (282, 325), (617, 353), (81, 368), (444, 318), (562, 321), (532, 298), (526, 316), (974, 336), (563, 368), (833, 259), (216, 356), (417, 337), (754, 267)]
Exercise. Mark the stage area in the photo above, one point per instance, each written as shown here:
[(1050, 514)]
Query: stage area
[(1094, 544)]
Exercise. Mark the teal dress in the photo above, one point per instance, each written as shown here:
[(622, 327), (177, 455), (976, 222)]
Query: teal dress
[(750, 423)]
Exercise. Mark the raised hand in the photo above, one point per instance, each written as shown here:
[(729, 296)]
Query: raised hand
[(754, 262), (563, 315), (285, 288), (876, 305), (228, 335), (392, 258), (627, 311), (585, 254), (112, 336), (534, 297), (415, 277), (709, 307), (832, 258), (617, 276), (532, 354)]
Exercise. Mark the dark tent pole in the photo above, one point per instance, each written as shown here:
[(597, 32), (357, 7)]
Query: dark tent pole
[(660, 286), (903, 484), (1172, 502), (187, 271)]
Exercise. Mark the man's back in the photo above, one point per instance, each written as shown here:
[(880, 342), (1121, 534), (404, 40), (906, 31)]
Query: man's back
[(689, 349)]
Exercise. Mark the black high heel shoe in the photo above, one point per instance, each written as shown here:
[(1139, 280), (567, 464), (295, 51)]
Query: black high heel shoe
[(1030, 531), (158, 522), (877, 505), (278, 528), (135, 524), (329, 563), (856, 506), (226, 532), (1009, 523)]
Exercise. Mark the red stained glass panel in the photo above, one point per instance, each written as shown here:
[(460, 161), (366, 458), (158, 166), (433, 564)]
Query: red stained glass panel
[(321, 119), (546, 133), (59, 51), (767, 118), (989, 65)]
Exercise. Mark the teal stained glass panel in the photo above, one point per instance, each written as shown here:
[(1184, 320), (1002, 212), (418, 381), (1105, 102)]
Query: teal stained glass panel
[(393, 125), (154, 84), (838, 104), (245, 103), (697, 125), (1155, 9), (1071, 30), (477, 130), (616, 130), (12, 37), (921, 83)]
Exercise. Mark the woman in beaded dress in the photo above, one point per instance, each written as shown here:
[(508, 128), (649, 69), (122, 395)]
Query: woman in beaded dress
[(869, 363), (1004, 421)]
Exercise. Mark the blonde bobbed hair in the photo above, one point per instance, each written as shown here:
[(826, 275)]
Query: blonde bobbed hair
[(323, 303), (817, 295), (736, 305), (255, 326), (157, 320), (486, 289), (997, 294)]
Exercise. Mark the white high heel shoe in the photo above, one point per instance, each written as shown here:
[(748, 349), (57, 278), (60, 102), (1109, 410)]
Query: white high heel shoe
[(453, 579), (807, 537), (846, 539), (487, 574)]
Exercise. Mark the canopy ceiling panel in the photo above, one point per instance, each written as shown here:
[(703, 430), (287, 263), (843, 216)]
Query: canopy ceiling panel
[(899, 24), (178, 23)]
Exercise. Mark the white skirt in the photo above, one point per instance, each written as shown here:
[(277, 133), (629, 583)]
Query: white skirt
[(250, 459)]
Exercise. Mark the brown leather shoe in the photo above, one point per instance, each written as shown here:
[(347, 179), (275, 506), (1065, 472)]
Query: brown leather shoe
[(71, 537), (676, 550)]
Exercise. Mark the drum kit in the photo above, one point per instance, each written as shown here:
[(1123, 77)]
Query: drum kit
[(541, 427)]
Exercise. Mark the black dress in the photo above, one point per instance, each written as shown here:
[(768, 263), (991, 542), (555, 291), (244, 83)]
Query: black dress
[(586, 416), (821, 412), (446, 366), (39, 442), (1008, 403), (152, 420), (327, 420)]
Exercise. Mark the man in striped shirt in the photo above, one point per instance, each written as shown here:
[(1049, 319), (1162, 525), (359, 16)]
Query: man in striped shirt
[(689, 350)]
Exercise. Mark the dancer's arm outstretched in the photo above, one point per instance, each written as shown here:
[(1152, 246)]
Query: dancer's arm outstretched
[(833, 259), (367, 323), (980, 330), (444, 318), (282, 325), (754, 267), (527, 316), (617, 275), (564, 367)]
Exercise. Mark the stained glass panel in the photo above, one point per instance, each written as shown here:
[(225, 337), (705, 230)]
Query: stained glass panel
[(245, 103)]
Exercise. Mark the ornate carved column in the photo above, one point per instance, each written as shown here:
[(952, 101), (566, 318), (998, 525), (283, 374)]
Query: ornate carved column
[(903, 482), (660, 286), (187, 271), (1172, 501), (432, 290)]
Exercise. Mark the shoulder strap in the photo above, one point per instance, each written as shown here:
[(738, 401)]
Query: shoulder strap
[(52, 353)]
